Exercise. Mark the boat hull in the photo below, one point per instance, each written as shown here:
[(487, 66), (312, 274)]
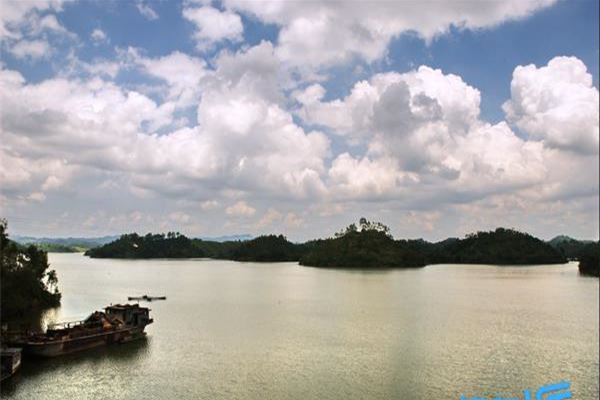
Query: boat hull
[(73, 345)]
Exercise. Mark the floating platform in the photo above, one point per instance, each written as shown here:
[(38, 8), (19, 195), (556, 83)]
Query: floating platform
[(146, 298)]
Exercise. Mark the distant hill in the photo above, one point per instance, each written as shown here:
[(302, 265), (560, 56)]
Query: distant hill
[(569, 247), (502, 246), (174, 245), (368, 245), (64, 245), (227, 238), (171, 245)]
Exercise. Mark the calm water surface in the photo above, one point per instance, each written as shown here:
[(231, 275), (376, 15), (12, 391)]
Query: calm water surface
[(280, 331)]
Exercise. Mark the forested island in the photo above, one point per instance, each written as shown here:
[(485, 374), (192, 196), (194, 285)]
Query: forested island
[(363, 245), (26, 282), (589, 260)]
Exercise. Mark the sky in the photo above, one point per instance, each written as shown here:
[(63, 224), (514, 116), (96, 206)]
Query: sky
[(210, 118)]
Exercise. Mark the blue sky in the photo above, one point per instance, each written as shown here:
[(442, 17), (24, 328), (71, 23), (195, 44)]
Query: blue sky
[(300, 118)]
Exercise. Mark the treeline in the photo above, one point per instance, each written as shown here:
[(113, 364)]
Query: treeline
[(175, 245), (502, 246), (589, 260), (26, 283), (171, 245), (58, 248), (363, 245)]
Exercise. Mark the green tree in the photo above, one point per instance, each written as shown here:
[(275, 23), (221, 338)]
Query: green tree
[(27, 284)]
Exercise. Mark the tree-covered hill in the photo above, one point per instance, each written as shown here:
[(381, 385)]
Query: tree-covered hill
[(569, 247), (367, 246), (171, 245), (589, 260), (174, 245), (58, 248), (502, 246), (266, 248), (26, 282)]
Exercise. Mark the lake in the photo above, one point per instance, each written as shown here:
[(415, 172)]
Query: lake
[(232, 330)]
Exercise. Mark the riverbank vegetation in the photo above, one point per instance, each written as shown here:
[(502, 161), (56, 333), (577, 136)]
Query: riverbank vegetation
[(26, 282), (364, 245)]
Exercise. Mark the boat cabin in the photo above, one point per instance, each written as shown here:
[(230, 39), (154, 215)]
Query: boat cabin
[(129, 314)]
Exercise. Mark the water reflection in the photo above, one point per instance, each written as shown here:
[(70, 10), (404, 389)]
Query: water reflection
[(253, 331), (117, 355)]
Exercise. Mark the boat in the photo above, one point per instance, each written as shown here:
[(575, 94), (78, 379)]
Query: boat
[(146, 298), (10, 361), (116, 324)]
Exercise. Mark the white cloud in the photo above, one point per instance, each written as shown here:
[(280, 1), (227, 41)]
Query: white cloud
[(315, 34), (100, 125), (293, 221), (146, 11), (48, 23), (213, 25), (427, 145), (15, 13), (98, 36), (209, 205), (31, 49), (556, 104), (182, 73), (240, 209), (269, 218), (180, 217)]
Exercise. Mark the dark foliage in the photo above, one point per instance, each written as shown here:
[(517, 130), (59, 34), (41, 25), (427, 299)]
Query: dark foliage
[(266, 248), (589, 260), (171, 245), (57, 248), (26, 283), (370, 247), (569, 247), (218, 250), (502, 246), (363, 245)]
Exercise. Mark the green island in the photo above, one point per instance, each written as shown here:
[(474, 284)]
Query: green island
[(26, 282), (589, 260), (364, 245)]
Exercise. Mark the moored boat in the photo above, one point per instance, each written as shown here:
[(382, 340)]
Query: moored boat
[(146, 298), (116, 324), (10, 361)]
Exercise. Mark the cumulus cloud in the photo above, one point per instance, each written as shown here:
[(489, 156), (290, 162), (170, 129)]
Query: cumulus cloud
[(98, 124), (98, 36), (181, 72), (180, 217), (269, 218), (316, 34), (16, 13), (556, 104), (31, 49), (254, 122), (426, 144), (213, 25), (240, 209), (146, 11)]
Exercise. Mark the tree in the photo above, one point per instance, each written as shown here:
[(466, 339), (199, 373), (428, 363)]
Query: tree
[(27, 284)]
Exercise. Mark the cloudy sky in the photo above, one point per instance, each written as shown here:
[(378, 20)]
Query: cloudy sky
[(437, 118)]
